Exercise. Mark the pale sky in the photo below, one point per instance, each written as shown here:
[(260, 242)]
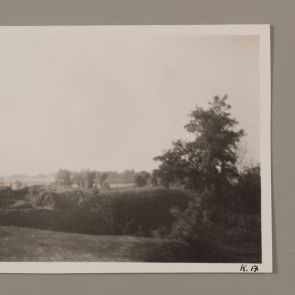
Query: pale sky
[(77, 99)]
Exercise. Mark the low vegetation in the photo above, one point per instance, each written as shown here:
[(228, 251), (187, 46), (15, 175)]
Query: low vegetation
[(134, 212)]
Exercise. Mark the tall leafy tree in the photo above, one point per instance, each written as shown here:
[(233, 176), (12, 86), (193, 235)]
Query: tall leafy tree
[(210, 158)]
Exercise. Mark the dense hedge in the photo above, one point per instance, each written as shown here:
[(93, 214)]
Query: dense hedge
[(134, 212), (139, 211)]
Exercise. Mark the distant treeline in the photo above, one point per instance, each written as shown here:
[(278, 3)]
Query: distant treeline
[(87, 179)]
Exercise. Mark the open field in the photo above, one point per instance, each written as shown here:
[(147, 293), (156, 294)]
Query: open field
[(26, 244)]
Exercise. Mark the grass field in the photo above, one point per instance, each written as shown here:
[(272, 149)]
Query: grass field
[(26, 244)]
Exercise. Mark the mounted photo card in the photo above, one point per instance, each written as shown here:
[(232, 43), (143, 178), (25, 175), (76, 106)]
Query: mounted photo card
[(135, 149)]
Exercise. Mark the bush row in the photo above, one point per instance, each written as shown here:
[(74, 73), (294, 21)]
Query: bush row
[(135, 212)]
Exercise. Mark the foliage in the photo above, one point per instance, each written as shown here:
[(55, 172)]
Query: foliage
[(87, 179), (142, 178), (140, 181), (208, 165), (210, 159), (63, 177), (130, 212), (194, 225), (249, 191), (102, 178)]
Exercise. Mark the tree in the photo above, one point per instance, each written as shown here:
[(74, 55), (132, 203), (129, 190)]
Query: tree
[(103, 183), (206, 165), (102, 178), (78, 179), (89, 178), (208, 160), (249, 190), (140, 180), (63, 177)]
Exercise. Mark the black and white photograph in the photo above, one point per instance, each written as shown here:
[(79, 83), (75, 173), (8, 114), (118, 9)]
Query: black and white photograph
[(132, 149)]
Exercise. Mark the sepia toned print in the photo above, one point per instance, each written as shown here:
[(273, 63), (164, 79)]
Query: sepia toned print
[(135, 149)]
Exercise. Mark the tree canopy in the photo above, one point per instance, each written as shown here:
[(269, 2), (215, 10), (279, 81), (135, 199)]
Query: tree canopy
[(210, 158)]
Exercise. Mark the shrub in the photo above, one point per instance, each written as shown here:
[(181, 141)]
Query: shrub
[(195, 225), (140, 181), (129, 212)]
